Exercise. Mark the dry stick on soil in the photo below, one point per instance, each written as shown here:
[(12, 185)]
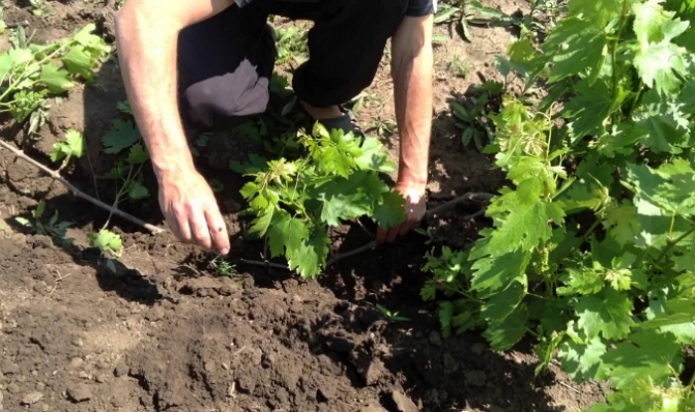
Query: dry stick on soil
[(77, 192), (479, 196)]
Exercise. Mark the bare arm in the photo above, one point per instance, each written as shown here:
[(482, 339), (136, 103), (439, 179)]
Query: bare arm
[(411, 67), (147, 34)]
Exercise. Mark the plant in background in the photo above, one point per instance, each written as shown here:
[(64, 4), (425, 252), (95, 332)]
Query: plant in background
[(72, 146), (53, 227), (29, 73), (473, 113), (110, 244), (295, 201), (592, 246), (124, 141)]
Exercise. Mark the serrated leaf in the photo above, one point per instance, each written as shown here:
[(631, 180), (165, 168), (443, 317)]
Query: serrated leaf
[(108, 242), (582, 361), (310, 258), (120, 136), (262, 222), (286, 233), (659, 62), (608, 314), (137, 155), (390, 211), (137, 191), (503, 303), (350, 198), (56, 79), (507, 333), (491, 274), (644, 354), (575, 47), (73, 145)]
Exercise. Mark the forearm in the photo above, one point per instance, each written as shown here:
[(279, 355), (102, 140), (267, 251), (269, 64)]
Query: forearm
[(147, 35), (412, 68)]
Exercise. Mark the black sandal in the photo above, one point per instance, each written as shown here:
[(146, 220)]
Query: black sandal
[(343, 122)]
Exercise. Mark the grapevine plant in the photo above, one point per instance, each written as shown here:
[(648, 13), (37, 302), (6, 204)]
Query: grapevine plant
[(29, 73), (592, 245), (336, 178)]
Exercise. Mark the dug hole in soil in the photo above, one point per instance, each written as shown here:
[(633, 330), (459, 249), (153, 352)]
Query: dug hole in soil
[(163, 333)]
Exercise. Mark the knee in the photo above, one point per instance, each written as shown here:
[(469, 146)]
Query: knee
[(226, 96)]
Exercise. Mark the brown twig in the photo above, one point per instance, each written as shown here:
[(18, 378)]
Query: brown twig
[(77, 192)]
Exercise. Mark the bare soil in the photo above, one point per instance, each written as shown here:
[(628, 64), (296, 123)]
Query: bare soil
[(162, 332)]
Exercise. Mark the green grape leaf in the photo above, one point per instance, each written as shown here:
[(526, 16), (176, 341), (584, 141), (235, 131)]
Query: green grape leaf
[(310, 258), (56, 79), (582, 361), (350, 198), (286, 233), (491, 274), (575, 47), (120, 136), (503, 335), (671, 186), (137, 191), (607, 314), (137, 155), (596, 12), (73, 145), (262, 222), (644, 354), (502, 304), (658, 61), (373, 157), (389, 212), (588, 109), (108, 242)]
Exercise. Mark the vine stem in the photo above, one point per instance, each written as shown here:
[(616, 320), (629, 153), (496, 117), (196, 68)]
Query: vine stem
[(480, 196), (79, 193)]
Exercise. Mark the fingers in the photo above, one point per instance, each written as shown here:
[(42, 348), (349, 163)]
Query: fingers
[(199, 229), (218, 231)]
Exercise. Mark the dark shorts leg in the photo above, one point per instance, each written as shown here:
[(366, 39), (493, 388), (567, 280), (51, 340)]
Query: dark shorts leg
[(224, 66), (346, 46)]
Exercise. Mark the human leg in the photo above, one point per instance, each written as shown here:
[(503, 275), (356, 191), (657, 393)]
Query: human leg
[(224, 66), (346, 46)]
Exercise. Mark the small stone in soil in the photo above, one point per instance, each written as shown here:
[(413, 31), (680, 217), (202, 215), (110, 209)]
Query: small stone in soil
[(373, 407), (9, 368), (478, 349), (435, 339), (1, 400), (79, 393), (403, 402), (450, 364), (121, 369), (475, 378), (75, 363), (31, 398)]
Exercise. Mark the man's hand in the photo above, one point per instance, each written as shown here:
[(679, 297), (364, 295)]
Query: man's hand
[(191, 211), (415, 207)]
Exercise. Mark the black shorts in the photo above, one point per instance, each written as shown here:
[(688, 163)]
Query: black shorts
[(225, 62)]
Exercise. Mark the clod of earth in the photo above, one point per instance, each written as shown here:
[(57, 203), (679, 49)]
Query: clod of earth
[(31, 398), (79, 393)]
